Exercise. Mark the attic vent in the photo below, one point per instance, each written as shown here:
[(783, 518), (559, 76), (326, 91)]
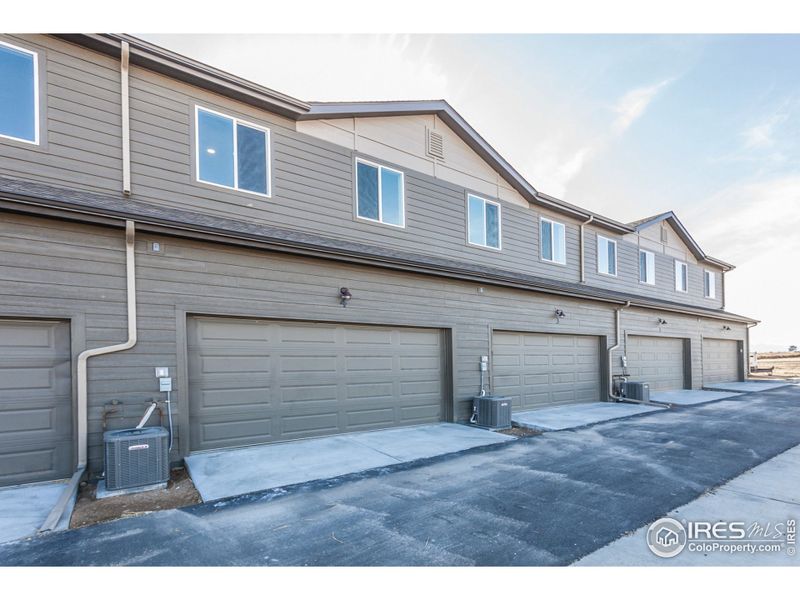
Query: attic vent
[(435, 144), (664, 234)]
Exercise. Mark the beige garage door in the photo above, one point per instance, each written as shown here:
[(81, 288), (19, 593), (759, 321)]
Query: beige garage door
[(657, 361), (539, 370), (253, 382), (720, 361), (35, 401)]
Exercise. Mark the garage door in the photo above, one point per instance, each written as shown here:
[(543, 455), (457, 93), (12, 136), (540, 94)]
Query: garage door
[(657, 361), (720, 361), (35, 401), (253, 382), (539, 370)]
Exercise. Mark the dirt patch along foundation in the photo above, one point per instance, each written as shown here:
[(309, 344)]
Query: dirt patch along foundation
[(180, 491)]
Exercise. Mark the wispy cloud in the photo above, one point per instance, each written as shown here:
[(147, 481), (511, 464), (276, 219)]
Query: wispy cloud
[(754, 225), (633, 105), (555, 162), (762, 135)]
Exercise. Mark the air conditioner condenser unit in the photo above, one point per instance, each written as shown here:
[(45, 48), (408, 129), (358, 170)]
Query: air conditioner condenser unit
[(491, 412), (636, 390), (136, 457)]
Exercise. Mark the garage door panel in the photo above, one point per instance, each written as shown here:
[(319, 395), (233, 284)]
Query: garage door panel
[(296, 395), (252, 430), (35, 401), (305, 335), (27, 463), (238, 398), (720, 361), (320, 379), (656, 360), (538, 370)]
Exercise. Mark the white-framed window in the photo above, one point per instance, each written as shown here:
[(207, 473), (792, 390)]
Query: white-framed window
[(647, 267), (709, 284), (483, 222), (553, 241), (19, 94), (606, 256), (681, 276), (232, 153), (380, 194)]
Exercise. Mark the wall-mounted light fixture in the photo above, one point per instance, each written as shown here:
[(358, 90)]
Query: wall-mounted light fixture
[(726, 328), (345, 296), (661, 321), (560, 314)]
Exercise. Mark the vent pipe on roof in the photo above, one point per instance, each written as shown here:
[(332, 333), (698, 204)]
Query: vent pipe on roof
[(83, 397)]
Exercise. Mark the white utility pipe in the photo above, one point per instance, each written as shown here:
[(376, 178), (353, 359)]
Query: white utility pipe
[(617, 344), (583, 257), (83, 397)]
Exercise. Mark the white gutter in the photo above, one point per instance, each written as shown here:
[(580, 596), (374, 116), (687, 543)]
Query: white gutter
[(83, 397), (583, 257)]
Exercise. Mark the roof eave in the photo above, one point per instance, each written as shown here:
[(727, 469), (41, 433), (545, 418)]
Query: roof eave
[(185, 69), (684, 234), (451, 117)]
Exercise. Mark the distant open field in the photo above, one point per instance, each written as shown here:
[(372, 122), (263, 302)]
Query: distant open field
[(786, 364)]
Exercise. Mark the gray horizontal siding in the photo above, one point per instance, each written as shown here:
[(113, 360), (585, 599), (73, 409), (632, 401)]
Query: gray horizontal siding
[(627, 278), (56, 269), (312, 180), (80, 126)]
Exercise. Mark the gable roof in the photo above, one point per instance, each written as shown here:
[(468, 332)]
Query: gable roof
[(172, 64), (671, 218), (443, 110)]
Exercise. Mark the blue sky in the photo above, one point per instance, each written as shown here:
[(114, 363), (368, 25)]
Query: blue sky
[(628, 125)]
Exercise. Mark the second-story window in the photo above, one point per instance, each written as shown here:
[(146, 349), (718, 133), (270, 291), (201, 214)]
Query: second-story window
[(681, 276), (379, 194), (647, 267), (709, 284), (232, 153), (606, 256), (19, 94), (554, 245), (483, 222)]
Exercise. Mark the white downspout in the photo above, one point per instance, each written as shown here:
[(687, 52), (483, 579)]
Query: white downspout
[(83, 397), (617, 344), (583, 257)]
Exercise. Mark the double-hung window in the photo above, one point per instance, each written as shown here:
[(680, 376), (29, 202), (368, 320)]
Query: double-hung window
[(379, 194), (19, 94), (709, 284), (647, 267), (681, 276), (232, 153), (606, 256), (553, 236), (483, 222)]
